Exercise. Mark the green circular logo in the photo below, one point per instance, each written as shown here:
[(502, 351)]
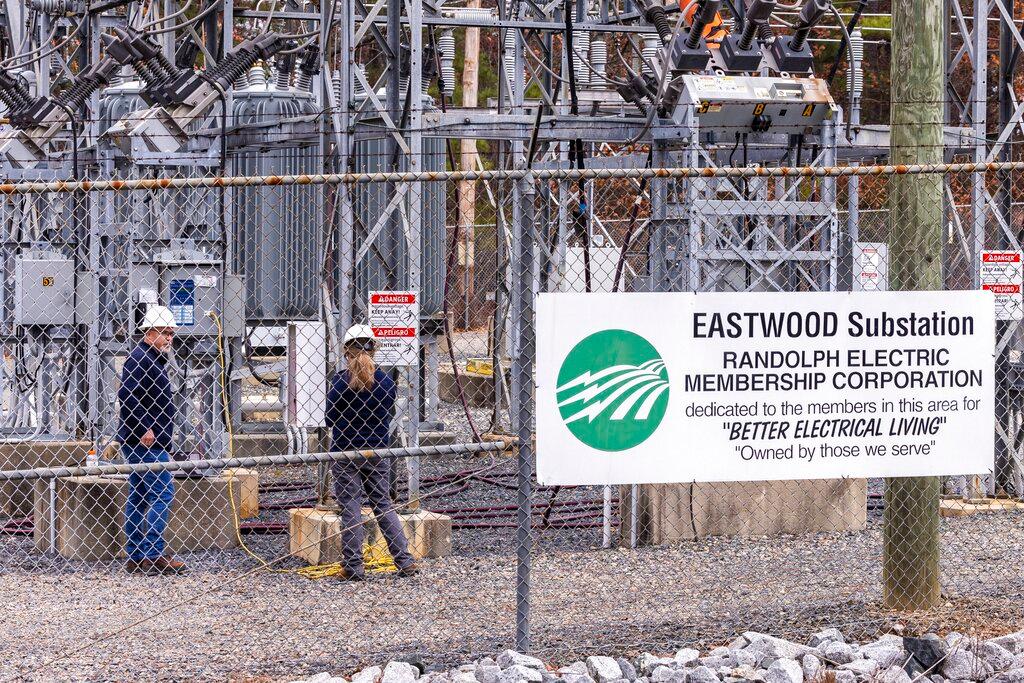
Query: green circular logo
[(612, 390)]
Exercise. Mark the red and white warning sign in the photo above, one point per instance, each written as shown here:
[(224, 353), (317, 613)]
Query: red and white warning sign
[(1002, 274), (395, 319)]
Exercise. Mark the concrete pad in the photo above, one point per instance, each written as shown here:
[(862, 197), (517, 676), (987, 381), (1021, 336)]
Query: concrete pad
[(16, 497), (315, 533), (669, 513), (257, 445), (249, 505), (90, 516), (429, 533)]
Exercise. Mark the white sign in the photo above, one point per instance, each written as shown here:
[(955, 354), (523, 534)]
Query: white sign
[(679, 387), (1002, 275), (395, 319), (870, 266)]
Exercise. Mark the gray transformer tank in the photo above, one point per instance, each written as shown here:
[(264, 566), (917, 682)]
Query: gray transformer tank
[(385, 265), (277, 229)]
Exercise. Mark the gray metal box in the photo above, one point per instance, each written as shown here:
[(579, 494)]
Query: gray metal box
[(44, 290), (190, 291)]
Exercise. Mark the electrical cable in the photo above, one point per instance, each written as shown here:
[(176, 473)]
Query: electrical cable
[(163, 20), (852, 58), (191, 22), (7, 64), (661, 87)]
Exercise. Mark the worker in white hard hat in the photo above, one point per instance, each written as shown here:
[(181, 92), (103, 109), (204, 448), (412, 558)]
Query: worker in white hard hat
[(146, 433), (360, 407)]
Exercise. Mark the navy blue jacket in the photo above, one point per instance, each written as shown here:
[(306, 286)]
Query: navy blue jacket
[(146, 399), (360, 419)]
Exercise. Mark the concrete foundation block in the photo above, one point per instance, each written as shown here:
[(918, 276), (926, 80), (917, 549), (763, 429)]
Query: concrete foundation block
[(429, 533), (668, 513), (16, 497), (315, 533), (88, 514), (249, 480), (257, 445)]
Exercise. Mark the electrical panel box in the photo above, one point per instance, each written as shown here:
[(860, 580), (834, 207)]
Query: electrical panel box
[(306, 376), (44, 289), (755, 103)]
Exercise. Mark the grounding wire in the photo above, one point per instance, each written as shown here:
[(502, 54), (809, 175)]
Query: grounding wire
[(191, 22), (164, 20), (37, 57), (852, 58), (661, 85)]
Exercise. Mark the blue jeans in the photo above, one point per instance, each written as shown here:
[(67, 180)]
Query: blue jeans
[(149, 504)]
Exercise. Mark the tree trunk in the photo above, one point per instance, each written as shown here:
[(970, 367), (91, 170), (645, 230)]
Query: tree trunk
[(467, 188)]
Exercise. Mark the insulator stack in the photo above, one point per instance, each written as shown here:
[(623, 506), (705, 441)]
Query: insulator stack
[(257, 76), (650, 53), (599, 61), (856, 78), (581, 48), (242, 82), (446, 46), (509, 59)]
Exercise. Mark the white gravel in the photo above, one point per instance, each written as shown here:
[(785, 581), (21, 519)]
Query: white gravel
[(277, 627)]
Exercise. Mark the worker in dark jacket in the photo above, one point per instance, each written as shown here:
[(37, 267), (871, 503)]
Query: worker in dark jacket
[(360, 406), (146, 431)]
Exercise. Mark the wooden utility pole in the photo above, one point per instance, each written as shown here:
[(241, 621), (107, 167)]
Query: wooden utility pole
[(467, 188), (910, 553)]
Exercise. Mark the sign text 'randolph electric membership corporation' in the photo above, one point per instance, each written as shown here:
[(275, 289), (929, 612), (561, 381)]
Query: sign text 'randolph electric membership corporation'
[(680, 387)]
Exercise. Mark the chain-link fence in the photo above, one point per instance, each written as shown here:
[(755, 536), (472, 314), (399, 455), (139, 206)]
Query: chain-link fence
[(210, 384)]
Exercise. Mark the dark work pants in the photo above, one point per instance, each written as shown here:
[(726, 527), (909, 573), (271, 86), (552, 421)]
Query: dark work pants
[(351, 480)]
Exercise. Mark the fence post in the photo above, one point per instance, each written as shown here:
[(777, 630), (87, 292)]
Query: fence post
[(910, 553), (523, 363)]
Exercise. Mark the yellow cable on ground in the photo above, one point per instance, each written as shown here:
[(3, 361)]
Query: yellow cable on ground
[(376, 558)]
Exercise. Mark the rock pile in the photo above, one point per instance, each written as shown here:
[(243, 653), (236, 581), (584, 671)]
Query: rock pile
[(753, 657)]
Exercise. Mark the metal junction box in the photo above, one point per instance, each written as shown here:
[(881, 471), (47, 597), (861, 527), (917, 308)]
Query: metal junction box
[(44, 289)]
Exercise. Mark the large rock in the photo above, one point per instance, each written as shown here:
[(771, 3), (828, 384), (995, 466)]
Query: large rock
[(370, 674), (399, 672), (488, 673), (1014, 642), (647, 663), (604, 669), (894, 674), (745, 658), (628, 670), (517, 673), (686, 656), (702, 674), (457, 677), (775, 648), (512, 658), (1011, 676), (665, 674), (996, 656), (811, 666), (886, 655), (928, 651), (965, 666), (718, 661), (785, 671), (829, 635), (845, 676), (837, 653), (746, 674), (863, 668)]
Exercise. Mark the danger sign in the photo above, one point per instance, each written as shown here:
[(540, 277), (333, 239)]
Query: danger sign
[(1002, 274), (395, 319)]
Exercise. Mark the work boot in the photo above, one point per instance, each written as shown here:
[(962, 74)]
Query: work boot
[(162, 566), (348, 575), (134, 566), (409, 570)]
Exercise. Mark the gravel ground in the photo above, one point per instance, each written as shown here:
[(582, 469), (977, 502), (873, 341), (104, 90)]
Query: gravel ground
[(215, 623)]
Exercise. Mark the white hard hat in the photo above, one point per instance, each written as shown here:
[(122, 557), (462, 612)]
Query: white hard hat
[(359, 332), (158, 316)]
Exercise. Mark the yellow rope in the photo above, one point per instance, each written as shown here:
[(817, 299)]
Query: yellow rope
[(376, 558)]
